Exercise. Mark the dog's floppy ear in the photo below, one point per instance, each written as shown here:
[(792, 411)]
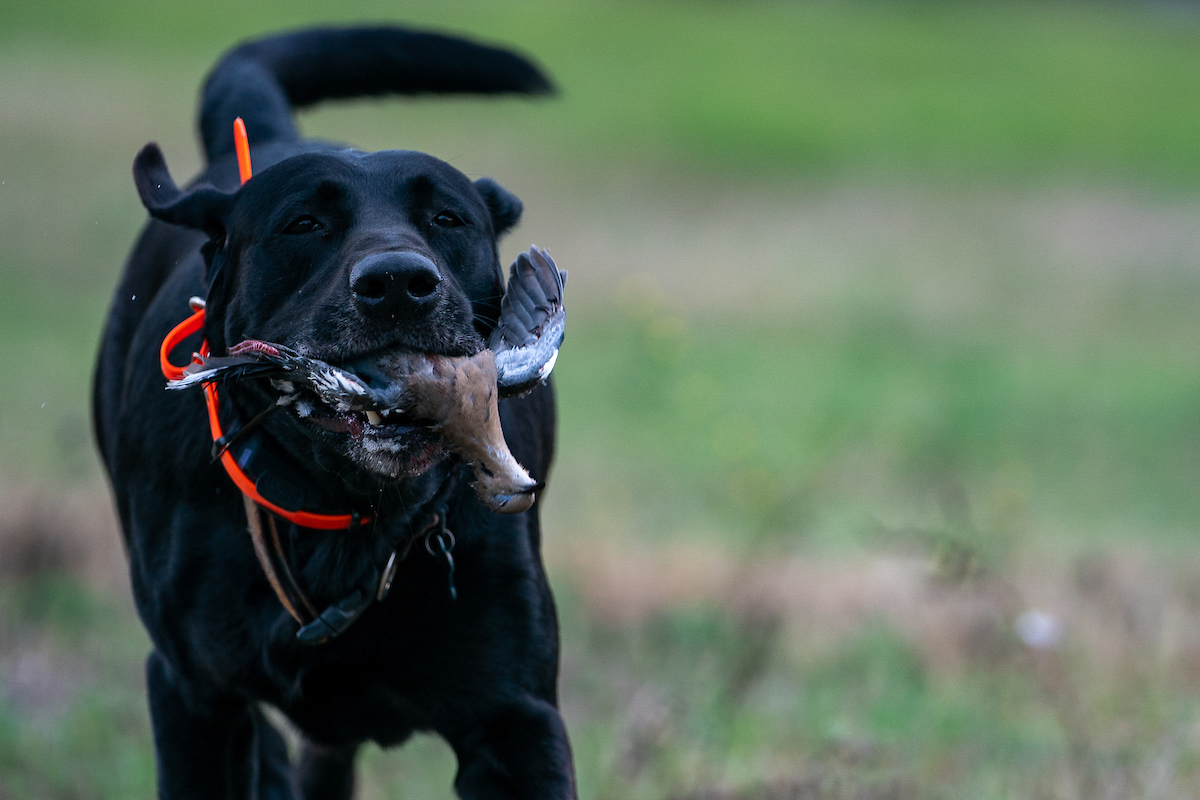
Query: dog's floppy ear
[(202, 207), (504, 206)]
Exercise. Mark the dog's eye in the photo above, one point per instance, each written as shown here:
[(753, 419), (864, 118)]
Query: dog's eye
[(302, 225), (448, 219)]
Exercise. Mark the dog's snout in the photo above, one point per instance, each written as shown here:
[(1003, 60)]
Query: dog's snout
[(390, 284)]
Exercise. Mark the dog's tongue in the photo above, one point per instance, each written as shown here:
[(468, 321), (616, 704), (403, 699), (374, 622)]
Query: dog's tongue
[(459, 395)]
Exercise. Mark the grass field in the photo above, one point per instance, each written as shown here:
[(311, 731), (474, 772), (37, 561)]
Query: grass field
[(884, 322)]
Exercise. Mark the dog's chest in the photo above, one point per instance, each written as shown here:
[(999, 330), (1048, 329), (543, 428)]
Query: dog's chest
[(419, 660)]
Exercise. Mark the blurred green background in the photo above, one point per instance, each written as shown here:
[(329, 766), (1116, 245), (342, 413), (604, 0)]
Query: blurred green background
[(882, 352)]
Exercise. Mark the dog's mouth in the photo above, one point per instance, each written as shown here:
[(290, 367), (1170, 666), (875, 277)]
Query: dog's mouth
[(386, 425), (342, 407), (363, 407)]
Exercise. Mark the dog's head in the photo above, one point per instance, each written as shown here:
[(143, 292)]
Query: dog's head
[(347, 257)]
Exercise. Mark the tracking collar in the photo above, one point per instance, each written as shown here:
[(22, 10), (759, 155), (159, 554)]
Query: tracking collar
[(249, 461)]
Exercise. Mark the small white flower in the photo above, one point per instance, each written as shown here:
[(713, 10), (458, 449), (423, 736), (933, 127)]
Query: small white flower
[(1039, 630)]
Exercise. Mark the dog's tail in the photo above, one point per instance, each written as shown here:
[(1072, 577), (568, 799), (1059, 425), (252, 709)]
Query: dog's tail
[(262, 81)]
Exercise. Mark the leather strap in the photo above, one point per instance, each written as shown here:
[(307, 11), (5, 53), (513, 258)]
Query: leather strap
[(317, 628), (275, 565)]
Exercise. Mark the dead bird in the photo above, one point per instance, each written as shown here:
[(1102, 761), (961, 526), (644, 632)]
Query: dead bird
[(455, 396)]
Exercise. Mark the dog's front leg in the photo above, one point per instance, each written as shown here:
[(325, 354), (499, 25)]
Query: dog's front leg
[(521, 752), (225, 750)]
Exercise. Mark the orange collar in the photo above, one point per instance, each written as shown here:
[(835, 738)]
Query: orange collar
[(194, 324), (305, 519)]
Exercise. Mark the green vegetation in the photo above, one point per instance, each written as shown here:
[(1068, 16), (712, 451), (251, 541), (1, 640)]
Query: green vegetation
[(883, 331), (740, 417), (932, 88)]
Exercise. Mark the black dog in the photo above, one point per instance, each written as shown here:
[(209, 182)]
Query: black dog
[(347, 257)]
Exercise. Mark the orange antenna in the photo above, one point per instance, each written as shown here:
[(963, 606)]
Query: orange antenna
[(241, 143)]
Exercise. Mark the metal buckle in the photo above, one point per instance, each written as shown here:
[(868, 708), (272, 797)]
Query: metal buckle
[(389, 575), (440, 535)]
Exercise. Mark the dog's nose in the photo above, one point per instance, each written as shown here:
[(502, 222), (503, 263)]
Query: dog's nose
[(392, 284)]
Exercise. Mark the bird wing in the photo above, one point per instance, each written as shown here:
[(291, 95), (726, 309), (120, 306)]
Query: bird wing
[(532, 322), (225, 368), (254, 359)]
